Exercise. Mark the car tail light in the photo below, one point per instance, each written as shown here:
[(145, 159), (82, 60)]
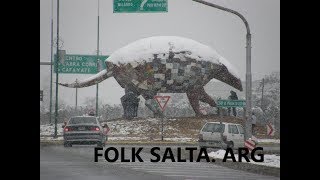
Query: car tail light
[(95, 129), (200, 137), (66, 129), (224, 138)]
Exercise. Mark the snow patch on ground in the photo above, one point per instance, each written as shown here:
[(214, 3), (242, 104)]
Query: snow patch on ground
[(271, 160), (51, 138), (127, 138), (268, 140), (177, 139), (48, 129)]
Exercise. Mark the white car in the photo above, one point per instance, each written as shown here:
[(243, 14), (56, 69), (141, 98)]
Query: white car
[(232, 135)]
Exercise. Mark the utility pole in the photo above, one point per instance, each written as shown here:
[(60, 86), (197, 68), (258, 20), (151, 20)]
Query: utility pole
[(76, 96), (97, 86), (51, 62), (262, 95), (248, 125), (161, 128), (57, 75)]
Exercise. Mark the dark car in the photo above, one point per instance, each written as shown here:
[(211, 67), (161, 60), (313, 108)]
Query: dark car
[(83, 130)]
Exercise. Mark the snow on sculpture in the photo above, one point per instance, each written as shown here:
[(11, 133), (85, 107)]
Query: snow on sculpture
[(166, 64)]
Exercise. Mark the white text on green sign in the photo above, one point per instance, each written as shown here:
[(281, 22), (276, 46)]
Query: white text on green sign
[(231, 103), (133, 6), (81, 64)]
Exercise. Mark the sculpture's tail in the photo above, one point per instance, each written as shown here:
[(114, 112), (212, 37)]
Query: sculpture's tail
[(90, 81)]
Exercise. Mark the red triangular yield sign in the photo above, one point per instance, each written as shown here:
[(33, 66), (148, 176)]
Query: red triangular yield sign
[(162, 101)]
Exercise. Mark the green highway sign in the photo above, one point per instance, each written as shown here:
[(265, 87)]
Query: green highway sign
[(143, 6), (231, 103), (81, 64)]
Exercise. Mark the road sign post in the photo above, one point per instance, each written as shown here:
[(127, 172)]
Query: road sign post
[(98, 63), (220, 116), (76, 98), (162, 101), (57, 77), (51, 59), (140, 6)]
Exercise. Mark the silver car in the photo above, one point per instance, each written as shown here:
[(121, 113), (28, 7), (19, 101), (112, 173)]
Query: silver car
[(83, 130)]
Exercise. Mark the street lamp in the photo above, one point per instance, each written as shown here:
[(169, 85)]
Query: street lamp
[(57, 76), (76, 97), (97, 86), (51, 62), (248, 126)]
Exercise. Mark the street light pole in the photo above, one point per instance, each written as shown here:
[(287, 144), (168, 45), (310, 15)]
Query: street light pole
[(97, 89), (51, 62), (76, 97), (248, 126), (57, 75), (262, 95)]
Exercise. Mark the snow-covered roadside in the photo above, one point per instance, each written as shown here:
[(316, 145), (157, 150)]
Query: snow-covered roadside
[(269, 159), (51, 138), (268, 140), (127, 138), (181, 139), (48, 129), (143, 129)]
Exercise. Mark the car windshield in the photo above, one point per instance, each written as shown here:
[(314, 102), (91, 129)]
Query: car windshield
[(80, 120), (213, 127)]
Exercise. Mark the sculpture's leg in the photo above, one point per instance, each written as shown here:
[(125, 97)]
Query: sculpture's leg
[(124, 105), (129, 104), (204, 97), (193, 97)]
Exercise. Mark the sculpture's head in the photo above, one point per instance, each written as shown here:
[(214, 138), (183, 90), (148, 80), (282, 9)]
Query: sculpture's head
[(223, 74)]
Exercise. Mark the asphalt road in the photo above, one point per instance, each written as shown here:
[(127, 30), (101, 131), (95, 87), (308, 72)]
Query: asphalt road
[(77, 162)]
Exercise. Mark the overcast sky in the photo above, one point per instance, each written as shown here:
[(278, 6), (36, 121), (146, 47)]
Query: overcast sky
[(220, 30)]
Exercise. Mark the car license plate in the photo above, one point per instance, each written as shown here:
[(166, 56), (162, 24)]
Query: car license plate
[(81, 128)]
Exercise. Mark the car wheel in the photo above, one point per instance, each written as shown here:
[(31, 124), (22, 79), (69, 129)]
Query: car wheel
[(100, 144), (67, 144), (230, 145), (103, 143)]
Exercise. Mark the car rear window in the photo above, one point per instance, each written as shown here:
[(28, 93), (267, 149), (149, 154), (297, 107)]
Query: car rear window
[(213, 127), (80, 120), (240, 129)]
